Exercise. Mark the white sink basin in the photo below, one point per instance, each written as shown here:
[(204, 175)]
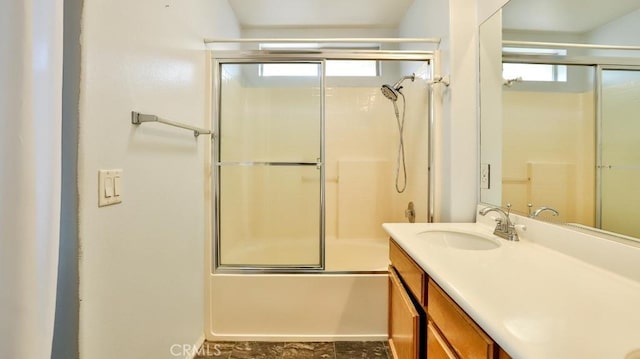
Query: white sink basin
[(461, 240)]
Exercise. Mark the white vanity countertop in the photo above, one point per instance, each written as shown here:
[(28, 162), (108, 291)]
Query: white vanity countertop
[(533, 301)]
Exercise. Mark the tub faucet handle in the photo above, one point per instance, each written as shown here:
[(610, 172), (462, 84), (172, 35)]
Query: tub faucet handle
[(410, 212)]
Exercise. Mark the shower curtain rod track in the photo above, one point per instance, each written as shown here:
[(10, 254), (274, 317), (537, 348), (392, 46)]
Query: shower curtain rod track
[(138, 118), (570, 45), (427, 40)]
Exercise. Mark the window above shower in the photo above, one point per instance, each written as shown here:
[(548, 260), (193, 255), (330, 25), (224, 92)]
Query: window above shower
[(334, 68), (534, 72)]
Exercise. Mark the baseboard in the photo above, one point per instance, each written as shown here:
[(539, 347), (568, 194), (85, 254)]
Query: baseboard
[(198, 344)]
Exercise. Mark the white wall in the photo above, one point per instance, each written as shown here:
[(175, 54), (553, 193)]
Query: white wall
[(621, 31), (316, 32), (460, 181), (456, 146), (486, 8), (426, 19), (142, 261), (455, 22)]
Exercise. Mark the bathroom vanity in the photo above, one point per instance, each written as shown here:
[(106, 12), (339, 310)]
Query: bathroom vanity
[(424, 321), (457, 291)]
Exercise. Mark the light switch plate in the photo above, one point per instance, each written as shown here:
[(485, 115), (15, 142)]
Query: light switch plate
[(109, 187), (485, 176)]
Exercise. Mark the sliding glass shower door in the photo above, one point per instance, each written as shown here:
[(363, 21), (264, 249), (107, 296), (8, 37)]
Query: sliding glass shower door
[(620, 151), (268, 162)]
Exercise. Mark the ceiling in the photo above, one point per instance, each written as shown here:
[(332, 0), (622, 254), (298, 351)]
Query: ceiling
[(320, 13), (576, 16)]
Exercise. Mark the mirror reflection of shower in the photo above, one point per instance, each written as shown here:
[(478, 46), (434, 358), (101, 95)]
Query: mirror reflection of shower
[(392, 93)]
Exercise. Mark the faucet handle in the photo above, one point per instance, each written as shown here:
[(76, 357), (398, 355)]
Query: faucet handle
[(521, 227), (508, 209), (529, 206)]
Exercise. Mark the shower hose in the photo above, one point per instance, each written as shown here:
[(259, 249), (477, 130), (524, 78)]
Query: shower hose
[(400, 160)]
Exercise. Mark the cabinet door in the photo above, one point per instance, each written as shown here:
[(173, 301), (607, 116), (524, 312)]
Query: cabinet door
[(404, 321), (465, 337), (437, 346), (413, 276)]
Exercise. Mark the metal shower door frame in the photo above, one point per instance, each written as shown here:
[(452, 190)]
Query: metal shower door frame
[(296, 56), (599, 132)]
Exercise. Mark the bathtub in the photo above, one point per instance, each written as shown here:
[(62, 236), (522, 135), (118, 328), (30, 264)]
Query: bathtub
[(347, 301), (357, 254)]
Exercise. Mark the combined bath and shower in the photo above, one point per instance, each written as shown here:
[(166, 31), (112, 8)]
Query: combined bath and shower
[(392, 93)]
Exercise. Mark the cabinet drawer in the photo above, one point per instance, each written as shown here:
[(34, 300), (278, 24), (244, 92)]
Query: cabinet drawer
[(404, 321), (412, 275), (502, 354), (464, 336), (437, 347)]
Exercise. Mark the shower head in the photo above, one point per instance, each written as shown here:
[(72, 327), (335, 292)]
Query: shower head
[(391, 92)]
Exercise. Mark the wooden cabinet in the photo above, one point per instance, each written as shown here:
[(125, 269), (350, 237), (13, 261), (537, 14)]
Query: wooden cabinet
[(437, 347), (412, 275), (404, 320), (464, 336), (407, 312), (424, 322)]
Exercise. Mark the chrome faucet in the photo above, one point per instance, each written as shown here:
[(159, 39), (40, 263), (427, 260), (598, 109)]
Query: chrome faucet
[(504, 227), (537, 212)]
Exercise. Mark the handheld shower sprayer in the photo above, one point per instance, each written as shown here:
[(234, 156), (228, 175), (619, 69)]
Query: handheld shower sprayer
[(392, 93)]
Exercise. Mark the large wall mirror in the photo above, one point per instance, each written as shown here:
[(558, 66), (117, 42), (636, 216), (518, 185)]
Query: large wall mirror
[(560, 111)]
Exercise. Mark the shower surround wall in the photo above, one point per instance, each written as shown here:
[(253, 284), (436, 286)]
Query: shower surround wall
[(361, 152), (550, 161)]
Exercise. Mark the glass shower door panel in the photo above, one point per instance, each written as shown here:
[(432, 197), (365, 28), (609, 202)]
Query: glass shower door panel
[(269, 166), (269, 216), (620, 166), (621, 201), (270, 118)]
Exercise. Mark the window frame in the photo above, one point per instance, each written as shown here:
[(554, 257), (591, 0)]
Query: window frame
[(328, 63), (559, 73)]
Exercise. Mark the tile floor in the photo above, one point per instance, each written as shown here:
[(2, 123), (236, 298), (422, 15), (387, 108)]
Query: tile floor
[(280, 350)]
